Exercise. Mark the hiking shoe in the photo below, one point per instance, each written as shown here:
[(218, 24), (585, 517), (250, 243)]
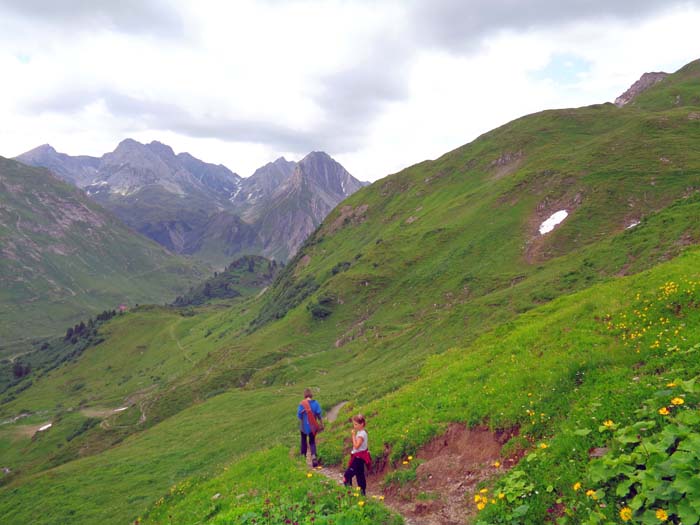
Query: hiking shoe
[(314, 462)]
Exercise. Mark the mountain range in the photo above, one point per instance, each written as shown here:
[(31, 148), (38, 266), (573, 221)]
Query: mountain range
[(205, 210)]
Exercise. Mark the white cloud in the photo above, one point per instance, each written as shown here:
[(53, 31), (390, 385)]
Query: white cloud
[(379, 85)]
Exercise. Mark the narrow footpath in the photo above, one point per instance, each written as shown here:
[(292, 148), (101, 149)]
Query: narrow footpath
[(336, 473)]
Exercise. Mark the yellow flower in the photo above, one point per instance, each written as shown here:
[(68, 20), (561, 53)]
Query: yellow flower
[(671, 385), (309, 474), (577, 485), (590, 493), (484, 491), (608, 423), (480, 505), (625, 513), (405, 462), (477, 498), (501, 495), (361, 503), (497, 464), (381, 498), (410, 458), (661, 515), (677, 401), (544, 445), (664, 411)]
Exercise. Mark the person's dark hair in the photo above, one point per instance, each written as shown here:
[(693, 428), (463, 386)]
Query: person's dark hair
[(359, 418), (308, 392)]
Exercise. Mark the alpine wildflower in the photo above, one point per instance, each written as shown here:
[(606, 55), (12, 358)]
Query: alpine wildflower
[(661, 515), (664, 411), (677, 401), (625, 513)]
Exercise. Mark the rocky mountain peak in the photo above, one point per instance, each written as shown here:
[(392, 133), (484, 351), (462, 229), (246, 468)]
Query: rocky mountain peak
[(45, 151), (323, 171), (128, 144), (646, 81), (317, 157), (77, 170), (160, 149), (44, 148)]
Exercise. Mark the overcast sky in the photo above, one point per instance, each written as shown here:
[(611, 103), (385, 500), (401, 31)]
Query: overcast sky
[(379, 85)]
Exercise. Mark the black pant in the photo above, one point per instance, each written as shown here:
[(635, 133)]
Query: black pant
[(312, 442), (357, 469)]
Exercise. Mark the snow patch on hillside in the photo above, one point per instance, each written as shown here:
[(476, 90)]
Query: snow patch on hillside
[(556, 218)]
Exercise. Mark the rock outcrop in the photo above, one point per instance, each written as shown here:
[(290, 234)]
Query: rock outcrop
[(646, 81)]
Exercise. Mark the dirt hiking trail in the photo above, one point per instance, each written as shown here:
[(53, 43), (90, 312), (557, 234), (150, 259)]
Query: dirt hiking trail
[(450, 468)]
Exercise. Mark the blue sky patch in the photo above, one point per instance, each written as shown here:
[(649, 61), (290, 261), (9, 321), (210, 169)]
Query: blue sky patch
[(563, 68)]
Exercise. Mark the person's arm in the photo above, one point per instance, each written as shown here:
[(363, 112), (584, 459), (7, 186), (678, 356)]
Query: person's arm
[(356, 440), (300, 412)]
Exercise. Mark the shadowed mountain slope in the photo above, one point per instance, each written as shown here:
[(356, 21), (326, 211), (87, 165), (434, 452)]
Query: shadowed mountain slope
[(64, 258)]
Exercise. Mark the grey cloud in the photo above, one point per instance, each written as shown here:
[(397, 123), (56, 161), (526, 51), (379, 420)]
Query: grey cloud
[(353, 97), (458, 25), (160, 115), (349, 100), (152, 17), (165, 116)]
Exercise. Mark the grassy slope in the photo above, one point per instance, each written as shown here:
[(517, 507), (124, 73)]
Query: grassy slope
[(435, 262), (560, 361), (56, 276)]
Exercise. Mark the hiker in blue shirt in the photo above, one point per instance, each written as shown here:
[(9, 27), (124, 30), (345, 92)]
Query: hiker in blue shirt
[(310, 423)]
